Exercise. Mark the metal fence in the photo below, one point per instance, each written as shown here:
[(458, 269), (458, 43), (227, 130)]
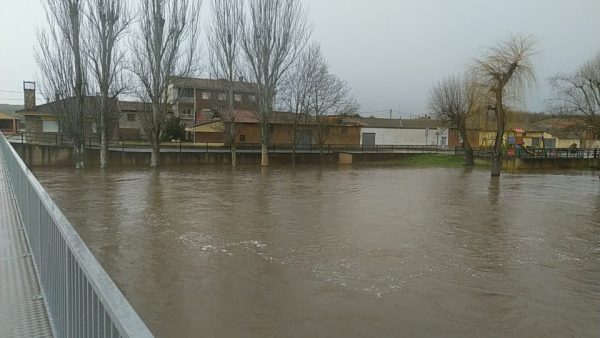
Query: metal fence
[(183, 146), (81, 298), (550, 153), (539, 153)]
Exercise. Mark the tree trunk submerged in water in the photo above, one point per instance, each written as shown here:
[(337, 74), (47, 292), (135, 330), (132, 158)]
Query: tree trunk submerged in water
[(233, 155), (233, 146), (103, 139), (264, 141), (264, 158), (78, 154), (496, 163), (155, 157), (469, 161)]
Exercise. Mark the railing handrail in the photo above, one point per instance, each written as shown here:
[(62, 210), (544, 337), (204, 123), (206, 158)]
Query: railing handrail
[(122, 314)]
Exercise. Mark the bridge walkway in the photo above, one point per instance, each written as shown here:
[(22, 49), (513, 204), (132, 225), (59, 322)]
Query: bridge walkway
[(22, 309)]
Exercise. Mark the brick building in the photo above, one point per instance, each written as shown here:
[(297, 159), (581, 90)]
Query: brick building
[(336, 131), (200, 100), (42, 123)]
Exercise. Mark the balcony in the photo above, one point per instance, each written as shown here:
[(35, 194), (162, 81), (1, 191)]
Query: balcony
[(186, 116)]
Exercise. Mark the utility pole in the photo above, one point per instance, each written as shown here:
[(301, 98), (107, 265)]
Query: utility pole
[(390, 114)]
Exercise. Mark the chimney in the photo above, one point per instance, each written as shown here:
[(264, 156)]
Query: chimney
[(29, 92)]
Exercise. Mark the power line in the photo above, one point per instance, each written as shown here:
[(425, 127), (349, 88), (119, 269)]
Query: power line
[(21, 92), (10, 99)]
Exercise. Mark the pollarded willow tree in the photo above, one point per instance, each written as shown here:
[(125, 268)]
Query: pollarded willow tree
[(224, 40), (507, 71), (165, 45), (108, 21), (579, 93), (456, 100), (60, 58), (275, 33)]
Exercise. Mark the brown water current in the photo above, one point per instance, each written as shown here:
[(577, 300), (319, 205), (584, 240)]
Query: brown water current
[(356, 252)]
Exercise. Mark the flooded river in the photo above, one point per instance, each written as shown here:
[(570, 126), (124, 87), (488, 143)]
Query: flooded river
[(360, 252)]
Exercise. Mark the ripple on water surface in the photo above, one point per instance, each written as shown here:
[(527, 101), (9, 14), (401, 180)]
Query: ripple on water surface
[(344, 253)]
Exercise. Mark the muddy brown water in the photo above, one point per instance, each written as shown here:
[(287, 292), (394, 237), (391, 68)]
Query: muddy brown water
[(358, 252)]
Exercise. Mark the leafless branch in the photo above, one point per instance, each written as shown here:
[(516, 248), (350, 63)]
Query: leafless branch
[(164, 45), (275, 33), (108, 21), (59, 56), (507, 71)]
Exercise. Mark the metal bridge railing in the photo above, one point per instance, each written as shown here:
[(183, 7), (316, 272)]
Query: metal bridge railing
[(81, 299)]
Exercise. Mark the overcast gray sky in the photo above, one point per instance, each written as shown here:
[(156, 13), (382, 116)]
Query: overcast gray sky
[(390, 51)]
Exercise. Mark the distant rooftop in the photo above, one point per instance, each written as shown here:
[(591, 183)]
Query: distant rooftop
[(213, 85), (371, 122)]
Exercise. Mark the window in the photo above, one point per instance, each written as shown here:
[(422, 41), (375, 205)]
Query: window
[(131, 117), (242, 138), (237, 97), (186, 113), (222, 97), (205, 96), (50, 126), (186, 93), (252, 98)]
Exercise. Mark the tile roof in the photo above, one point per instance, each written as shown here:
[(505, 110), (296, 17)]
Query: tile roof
[(396, 123), (214, 85), (134, 106), (52, 108), (8, 116)]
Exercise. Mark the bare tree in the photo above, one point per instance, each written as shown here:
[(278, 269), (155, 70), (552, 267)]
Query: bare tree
[(579, 93), (165, 45), (330, 96), (455, 101), (507, 71), (60, 60), (295, 94), (275, 34), (224, 39), (108, 21)]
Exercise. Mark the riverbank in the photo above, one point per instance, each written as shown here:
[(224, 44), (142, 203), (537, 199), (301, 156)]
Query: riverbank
[(426, 161), (52, 156)]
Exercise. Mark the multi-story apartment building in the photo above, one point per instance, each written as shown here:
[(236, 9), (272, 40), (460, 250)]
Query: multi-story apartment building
[(199, 100)]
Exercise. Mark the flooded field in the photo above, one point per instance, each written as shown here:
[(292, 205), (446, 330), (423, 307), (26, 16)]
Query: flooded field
[(359, 252)]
